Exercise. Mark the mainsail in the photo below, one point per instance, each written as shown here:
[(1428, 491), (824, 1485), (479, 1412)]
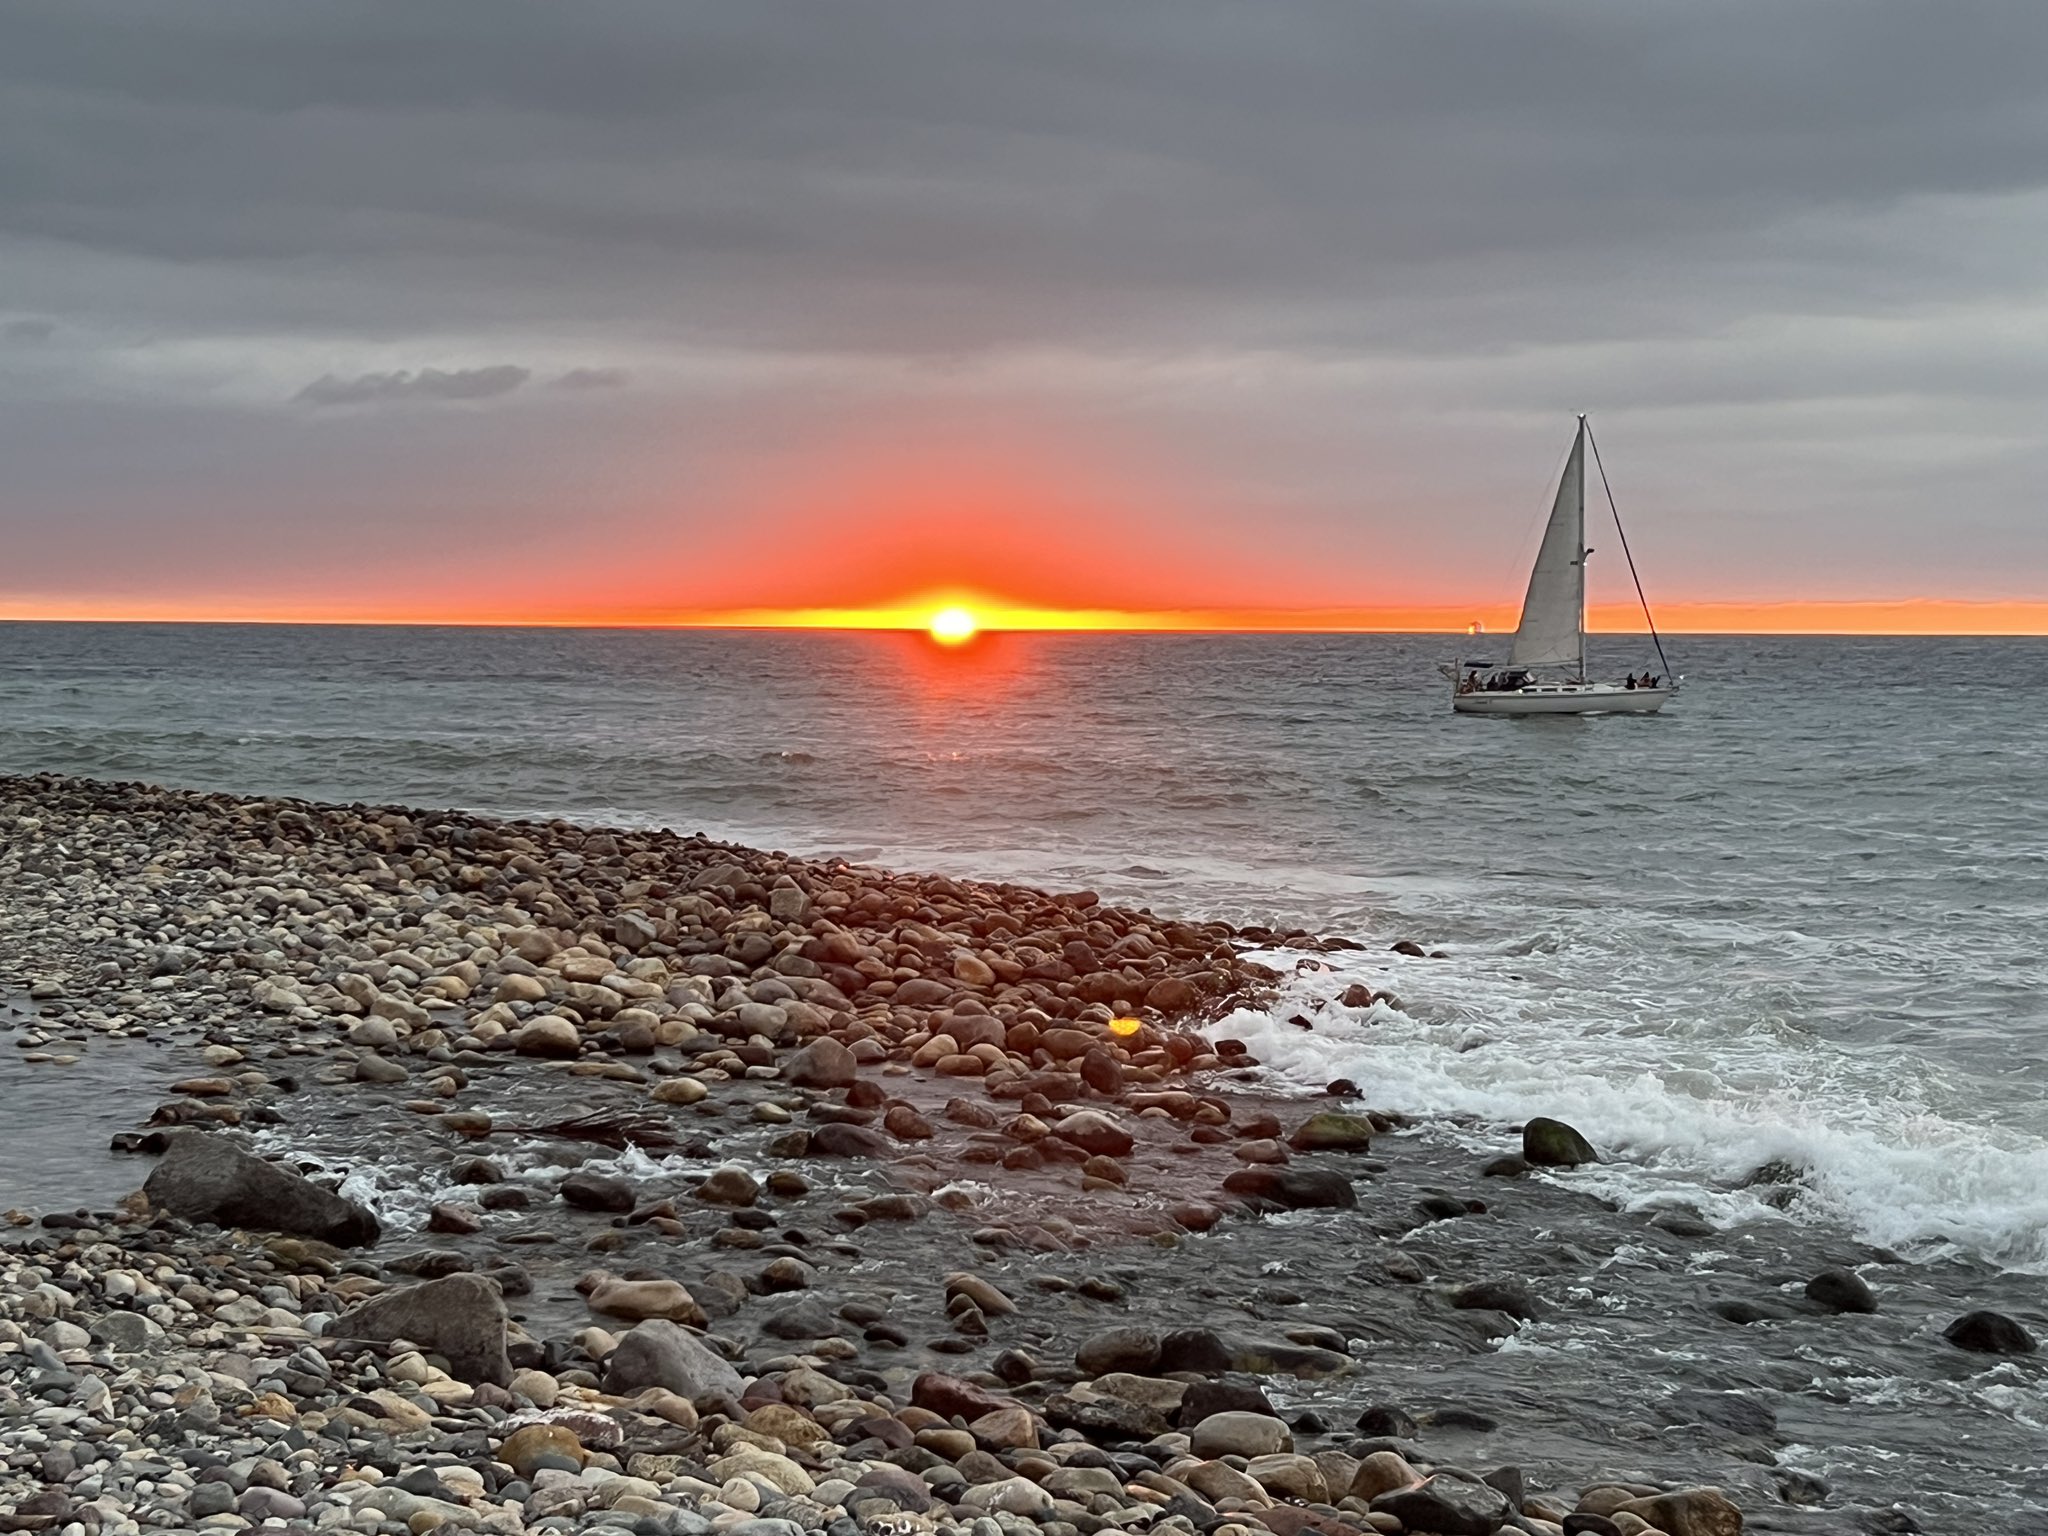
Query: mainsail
[(1554, 611)]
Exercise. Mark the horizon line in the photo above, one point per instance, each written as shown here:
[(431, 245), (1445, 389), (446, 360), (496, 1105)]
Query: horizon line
[(1949, 618)]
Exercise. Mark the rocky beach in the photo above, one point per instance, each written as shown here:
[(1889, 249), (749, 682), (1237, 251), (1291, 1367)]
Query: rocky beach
[(527, 1176)]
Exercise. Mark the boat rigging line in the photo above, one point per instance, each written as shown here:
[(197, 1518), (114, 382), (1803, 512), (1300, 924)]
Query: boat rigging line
[(1648, 619)]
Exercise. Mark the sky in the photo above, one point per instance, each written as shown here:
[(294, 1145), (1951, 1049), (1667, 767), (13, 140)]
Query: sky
[(1166, 311)]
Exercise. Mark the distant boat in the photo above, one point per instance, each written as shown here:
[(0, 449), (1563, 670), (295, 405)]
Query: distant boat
[(1545, 670)]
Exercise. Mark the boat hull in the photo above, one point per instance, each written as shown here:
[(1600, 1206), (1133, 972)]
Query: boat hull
[(1563, 699)]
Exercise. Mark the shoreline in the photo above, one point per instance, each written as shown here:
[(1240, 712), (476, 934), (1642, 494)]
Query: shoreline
[(883, 1066)]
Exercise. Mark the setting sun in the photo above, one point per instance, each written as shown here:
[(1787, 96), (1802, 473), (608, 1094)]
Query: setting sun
[(953, 626)]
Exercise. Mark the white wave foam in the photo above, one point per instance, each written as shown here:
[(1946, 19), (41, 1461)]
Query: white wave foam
[(1888, 1143)]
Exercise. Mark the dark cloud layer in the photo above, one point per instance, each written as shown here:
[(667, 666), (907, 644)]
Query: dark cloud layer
[(1346, 265)]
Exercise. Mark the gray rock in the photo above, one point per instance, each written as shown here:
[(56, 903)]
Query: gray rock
[(126, 1333), (1448, 1505), (1498, 1295), (834, 1140), (1551, 1143), (664, 1354), (824, 1063), (1241, 1434), (1292, 1188), (1118, 1349), (1840, 1290), (1989, 1333), (589, 1191), (204, 1177), (461, 1317), (810, 1318)]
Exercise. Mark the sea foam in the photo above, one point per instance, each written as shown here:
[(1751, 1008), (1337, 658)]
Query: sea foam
[(1880, 1137)]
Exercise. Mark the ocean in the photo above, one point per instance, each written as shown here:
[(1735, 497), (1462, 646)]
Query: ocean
[(1793, 919), (1796, 916)]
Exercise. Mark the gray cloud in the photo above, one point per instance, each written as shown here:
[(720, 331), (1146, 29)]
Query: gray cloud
[(593, 378), (1343, 262), (425, 384)]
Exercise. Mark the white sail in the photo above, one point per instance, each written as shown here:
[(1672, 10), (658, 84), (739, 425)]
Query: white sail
[(1554, 611)]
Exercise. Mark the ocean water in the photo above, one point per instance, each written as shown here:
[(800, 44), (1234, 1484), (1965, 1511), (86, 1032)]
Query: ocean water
[(1797, 916)]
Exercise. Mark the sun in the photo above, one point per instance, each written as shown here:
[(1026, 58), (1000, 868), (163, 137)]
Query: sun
[(953, 626)]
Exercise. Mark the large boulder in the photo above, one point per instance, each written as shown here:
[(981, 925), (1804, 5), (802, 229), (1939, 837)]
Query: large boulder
[(461, 1318), (1551, 1143), (1291, 1188), (662, 1354), (1448, 1505), (209, 1178), (1989, 1333)]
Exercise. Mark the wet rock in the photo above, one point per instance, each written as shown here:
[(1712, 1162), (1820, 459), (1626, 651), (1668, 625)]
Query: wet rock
[(461, 1318), (1498, 1295), (1292, 1188), (1449, 1506), (986, 1297), (1989, 1333), (640, 1300), (662, 1354), (1383, 1421), (1200, 1350), (848, 1141), (1548, 1143), (548, 1035), (731, 1185), (1118, 1349), (1840, 1290), (1683, 1223), (1688, 1512), (1332, 1132), (811, 1318), (207, 1178), (588, 1191), (1094, 1132)]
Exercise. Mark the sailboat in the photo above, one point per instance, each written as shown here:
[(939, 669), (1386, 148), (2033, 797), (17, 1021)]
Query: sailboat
[(1545, 670)]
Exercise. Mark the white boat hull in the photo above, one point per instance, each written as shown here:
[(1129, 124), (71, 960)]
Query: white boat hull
[(1563, 699)]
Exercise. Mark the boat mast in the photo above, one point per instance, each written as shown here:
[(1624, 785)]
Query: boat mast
[(1581, 673)]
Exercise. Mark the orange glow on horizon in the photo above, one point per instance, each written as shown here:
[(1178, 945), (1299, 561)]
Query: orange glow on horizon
[(1846, 616)]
